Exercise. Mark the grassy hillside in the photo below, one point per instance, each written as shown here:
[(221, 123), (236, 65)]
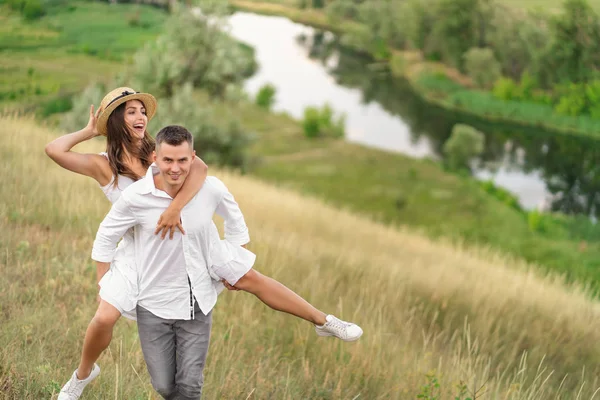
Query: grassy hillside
[(429, 310)]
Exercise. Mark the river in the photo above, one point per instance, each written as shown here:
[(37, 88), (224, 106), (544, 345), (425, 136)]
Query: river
[(309, 68)]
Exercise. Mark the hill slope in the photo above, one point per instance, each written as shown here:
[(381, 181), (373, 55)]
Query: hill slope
[(425, 307)]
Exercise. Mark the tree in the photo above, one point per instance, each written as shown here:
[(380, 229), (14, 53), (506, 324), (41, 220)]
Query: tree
[(454, 31), (519, 41), (195, 48), (574, 52), (482, 66), (464, 144)]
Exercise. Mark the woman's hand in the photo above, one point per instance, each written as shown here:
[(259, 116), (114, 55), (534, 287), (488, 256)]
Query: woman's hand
[(168, 221), (91, 125), (228, 286)]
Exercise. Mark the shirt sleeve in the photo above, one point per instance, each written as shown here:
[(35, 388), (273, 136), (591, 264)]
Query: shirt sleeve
[(236, 231), (111, 230)]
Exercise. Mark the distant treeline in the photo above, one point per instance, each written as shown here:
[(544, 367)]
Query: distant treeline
[(546, 57)]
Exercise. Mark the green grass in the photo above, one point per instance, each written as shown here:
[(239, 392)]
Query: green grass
[(62, 52)]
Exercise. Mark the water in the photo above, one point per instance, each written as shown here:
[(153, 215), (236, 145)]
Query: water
[(308, 68)]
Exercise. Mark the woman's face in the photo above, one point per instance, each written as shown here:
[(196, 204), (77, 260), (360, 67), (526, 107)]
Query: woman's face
[(135, 118)]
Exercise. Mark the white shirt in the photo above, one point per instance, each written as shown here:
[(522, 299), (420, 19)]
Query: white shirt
[(164, 266)]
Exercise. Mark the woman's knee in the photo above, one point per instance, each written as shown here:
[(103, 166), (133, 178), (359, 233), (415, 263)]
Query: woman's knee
[(106, 315), (250, 280)]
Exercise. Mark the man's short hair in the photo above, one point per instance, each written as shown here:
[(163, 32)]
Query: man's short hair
[(174, 135)]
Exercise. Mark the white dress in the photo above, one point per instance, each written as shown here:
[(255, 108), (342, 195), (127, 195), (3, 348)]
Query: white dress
[(119, 286)]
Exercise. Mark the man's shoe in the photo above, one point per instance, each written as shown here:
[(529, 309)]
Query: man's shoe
[(346, 331), (73, 389)]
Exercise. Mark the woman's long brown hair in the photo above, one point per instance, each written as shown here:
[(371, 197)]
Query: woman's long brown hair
[(119, 139)]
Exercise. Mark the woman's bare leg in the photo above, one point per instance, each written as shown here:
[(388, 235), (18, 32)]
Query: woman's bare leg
[(97, 337), (279, 297)]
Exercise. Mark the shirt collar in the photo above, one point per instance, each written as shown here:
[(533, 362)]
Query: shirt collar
[(148, 186)]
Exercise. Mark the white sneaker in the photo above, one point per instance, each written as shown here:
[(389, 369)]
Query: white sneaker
[(347, 331), (74, 387)]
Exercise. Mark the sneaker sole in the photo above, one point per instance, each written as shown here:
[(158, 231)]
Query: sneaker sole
[(326, 334)]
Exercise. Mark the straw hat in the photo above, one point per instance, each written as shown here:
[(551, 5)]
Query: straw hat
[(119, 96)]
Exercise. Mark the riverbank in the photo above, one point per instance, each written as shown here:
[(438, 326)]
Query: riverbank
[(438, 83), (391, 188)]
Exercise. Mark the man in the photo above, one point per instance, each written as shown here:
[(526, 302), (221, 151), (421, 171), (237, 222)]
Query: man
[(176, 293)]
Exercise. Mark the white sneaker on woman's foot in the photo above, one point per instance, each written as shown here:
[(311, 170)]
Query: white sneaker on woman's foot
[(74, 387), (347, 331)]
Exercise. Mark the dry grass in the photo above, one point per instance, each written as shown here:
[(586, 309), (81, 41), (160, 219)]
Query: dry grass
[(425, 307)]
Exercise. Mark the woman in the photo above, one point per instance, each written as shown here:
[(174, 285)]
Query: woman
[(122, 117)]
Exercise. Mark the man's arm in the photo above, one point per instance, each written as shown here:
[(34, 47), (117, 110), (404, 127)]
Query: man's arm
[(118, 220), (236, 231)]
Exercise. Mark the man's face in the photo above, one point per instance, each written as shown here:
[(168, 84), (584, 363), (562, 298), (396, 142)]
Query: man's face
[(174, 162)]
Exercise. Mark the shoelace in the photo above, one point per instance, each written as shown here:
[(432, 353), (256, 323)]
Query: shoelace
[(71, 388), (338, 326)]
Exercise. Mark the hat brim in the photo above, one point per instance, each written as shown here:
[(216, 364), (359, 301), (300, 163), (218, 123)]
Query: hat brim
[(146, 98)]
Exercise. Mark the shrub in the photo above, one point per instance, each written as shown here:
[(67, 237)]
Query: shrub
[(534, 221), (265, 97), (526, 87), (320, 122), (133, 19), (464, 144), (505, 89), (482, 66), (592, 94), (572, 101), (341, 9), (33, 9), (57, 105), (311, 122)]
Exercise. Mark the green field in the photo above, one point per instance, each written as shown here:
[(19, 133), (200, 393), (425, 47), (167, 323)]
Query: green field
[(58, 55)]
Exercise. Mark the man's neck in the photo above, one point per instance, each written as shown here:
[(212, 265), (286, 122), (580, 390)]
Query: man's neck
[(160, 184)]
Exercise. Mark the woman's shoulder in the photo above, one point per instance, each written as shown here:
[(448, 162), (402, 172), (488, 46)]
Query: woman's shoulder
[(106, 176)]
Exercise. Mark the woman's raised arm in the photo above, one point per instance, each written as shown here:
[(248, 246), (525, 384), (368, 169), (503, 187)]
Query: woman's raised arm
[(92, 165)]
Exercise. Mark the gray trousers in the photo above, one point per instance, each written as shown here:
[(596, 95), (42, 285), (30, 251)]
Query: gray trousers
[(175, 352)]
